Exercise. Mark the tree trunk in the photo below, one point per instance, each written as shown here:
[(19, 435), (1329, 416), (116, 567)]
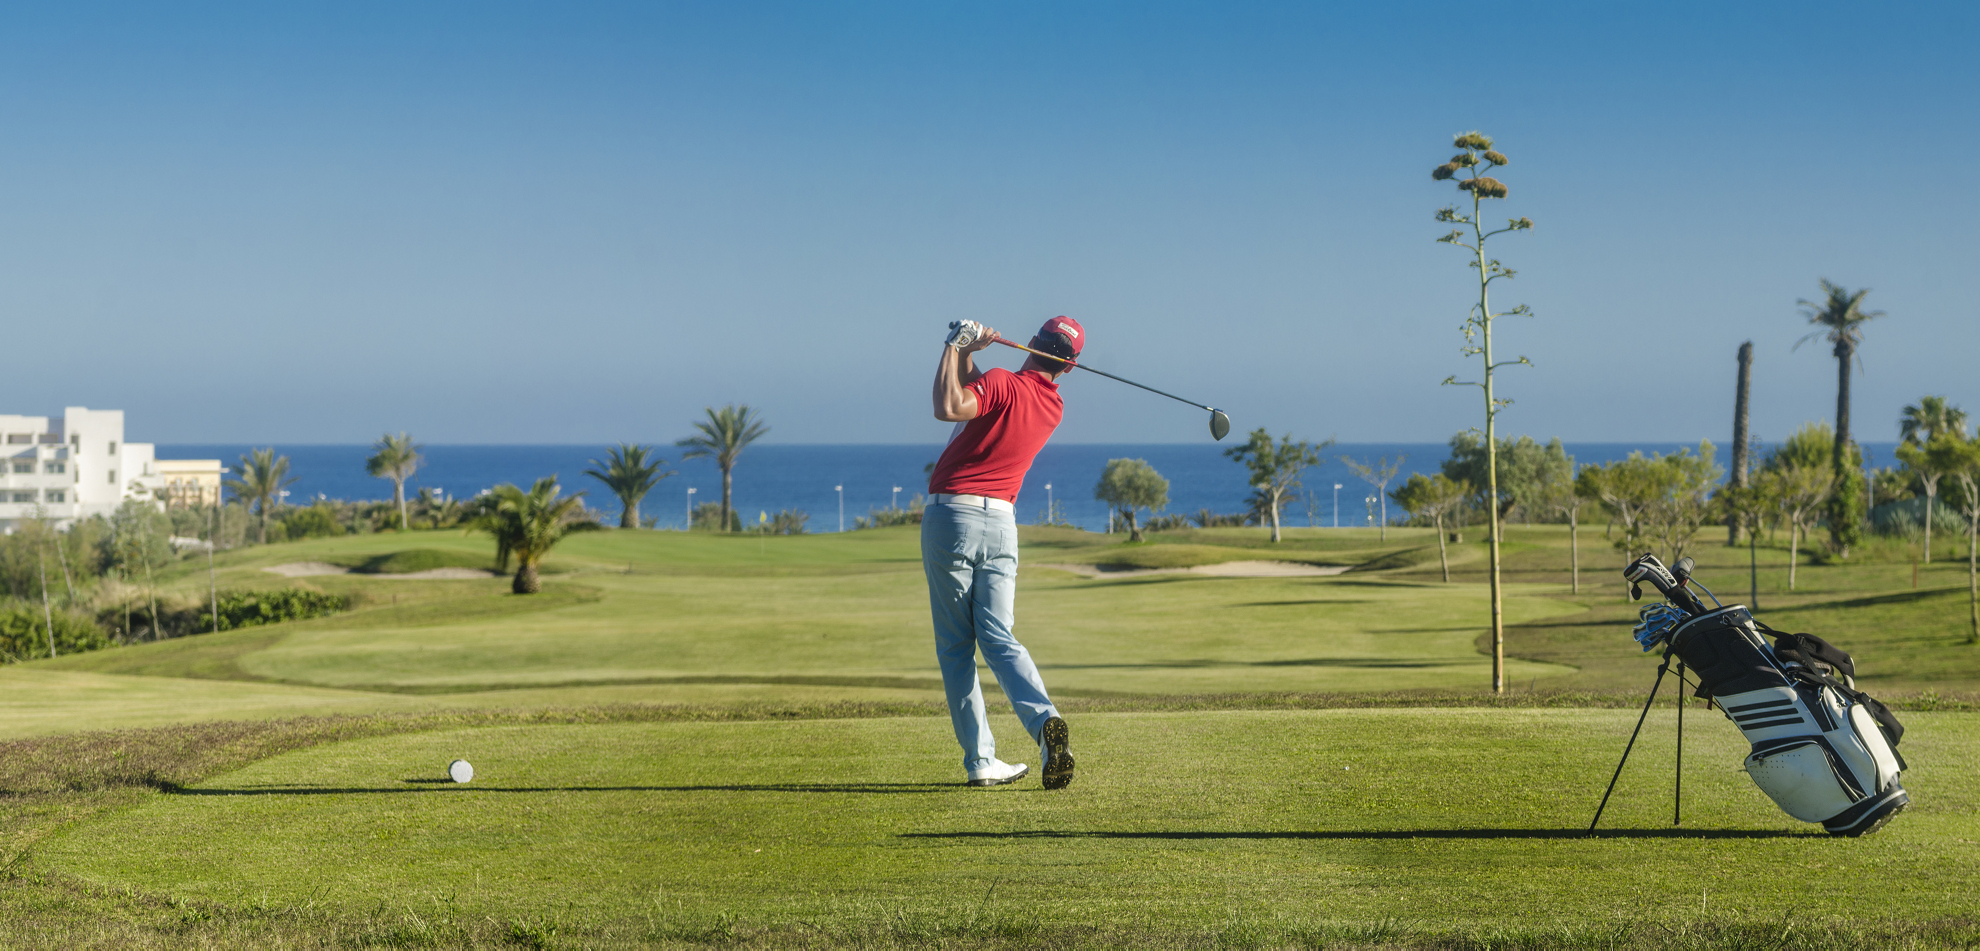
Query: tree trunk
[(526, 580), (1442, 558), (1274, 500), (151, 589), (1134, 528), (1844, 350), (1794, 550), (727, 481), (63, 556), (1382, 495), (1928, 522), (1753, 567), (1973, 575), (212, 586), (1740, 438), (1574, 550), (1491, 462), (629, 514), (46, 612)]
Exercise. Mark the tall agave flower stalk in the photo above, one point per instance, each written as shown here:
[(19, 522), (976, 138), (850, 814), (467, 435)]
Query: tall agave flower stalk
[(1469, 167)]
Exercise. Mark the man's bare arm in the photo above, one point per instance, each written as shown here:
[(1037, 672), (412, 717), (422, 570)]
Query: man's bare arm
[(954, 402)]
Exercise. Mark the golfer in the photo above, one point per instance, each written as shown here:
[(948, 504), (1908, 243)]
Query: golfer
[(969, 541)]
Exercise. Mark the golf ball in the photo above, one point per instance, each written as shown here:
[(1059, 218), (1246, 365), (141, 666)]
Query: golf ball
[(460, 770)]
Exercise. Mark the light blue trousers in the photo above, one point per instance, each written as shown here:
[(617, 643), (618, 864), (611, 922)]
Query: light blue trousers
[(970, 554)]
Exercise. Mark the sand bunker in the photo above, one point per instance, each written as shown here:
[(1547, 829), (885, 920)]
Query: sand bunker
[(1227, 569), (306, 569)]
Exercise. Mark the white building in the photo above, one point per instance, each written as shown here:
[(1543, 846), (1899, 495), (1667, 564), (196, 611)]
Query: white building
[(71, 467)]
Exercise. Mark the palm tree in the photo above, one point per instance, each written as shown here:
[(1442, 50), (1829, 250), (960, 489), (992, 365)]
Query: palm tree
[(1378, 474), (724, 436), (1741, 440), (528, 525), (629, 473), (395, 458), (1839, 318), (263, 477), (1917, 427), (1929, 417)]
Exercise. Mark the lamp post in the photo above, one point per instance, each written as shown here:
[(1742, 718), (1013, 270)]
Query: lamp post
[(1337, 505), (689, 524), (842, 505)]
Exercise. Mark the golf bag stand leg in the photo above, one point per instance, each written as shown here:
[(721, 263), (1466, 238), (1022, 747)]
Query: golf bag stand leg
[(1662, 669), (1677, 783)]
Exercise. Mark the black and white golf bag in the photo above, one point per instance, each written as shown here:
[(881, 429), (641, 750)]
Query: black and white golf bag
[(1822, 750)]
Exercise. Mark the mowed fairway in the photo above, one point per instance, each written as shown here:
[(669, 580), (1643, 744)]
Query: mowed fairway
[(659, 616), (1166, 635), (1179, 826)]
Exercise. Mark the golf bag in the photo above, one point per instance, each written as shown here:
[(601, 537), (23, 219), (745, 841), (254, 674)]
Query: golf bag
[(1822, 750)]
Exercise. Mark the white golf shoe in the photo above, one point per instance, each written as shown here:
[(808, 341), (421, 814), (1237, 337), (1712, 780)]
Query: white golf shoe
[(998, 773)]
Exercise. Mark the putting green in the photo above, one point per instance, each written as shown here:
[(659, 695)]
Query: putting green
[(1458, 817)]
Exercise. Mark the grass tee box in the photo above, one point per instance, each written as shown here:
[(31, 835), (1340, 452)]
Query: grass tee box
[(1180, 826)]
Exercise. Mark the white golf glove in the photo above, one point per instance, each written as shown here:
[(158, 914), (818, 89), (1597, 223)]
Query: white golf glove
[(962, 333)]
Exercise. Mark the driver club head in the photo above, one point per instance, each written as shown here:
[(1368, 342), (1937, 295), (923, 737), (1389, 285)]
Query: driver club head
[(1220, 425)]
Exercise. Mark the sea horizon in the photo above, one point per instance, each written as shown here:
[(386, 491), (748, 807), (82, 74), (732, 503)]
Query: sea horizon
[(774, 477)]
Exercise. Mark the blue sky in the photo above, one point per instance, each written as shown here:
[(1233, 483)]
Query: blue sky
[(582, 223)]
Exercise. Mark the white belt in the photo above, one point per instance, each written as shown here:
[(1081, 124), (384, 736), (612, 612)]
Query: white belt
[(975, 501)]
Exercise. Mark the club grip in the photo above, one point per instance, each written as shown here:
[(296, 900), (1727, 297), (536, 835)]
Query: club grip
[(1649, 569)]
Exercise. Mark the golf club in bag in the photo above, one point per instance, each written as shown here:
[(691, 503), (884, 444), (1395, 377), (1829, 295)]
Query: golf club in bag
[(1822, 750)]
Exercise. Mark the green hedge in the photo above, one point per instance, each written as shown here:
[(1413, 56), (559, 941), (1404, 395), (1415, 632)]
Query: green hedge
[(24, 633), (250, 608)]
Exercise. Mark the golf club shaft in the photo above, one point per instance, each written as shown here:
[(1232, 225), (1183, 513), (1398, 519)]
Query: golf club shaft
[(1104, 373)]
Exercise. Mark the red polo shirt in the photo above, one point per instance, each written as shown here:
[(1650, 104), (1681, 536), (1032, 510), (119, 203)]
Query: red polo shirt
[(989, 455)]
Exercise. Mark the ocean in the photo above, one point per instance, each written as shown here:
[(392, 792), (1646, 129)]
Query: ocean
[(770, 478)]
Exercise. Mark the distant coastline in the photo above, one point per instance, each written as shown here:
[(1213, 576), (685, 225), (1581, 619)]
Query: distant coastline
[(774, 477)]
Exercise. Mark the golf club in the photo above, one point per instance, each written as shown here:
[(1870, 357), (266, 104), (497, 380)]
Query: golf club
[(1220, 424)]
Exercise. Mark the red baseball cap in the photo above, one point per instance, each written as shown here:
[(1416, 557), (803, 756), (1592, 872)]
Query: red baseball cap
[(1068, 328)]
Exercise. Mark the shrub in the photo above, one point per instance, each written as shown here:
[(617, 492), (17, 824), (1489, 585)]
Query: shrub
[(889, 517), (317, 521), (1204, 518), (249, 608), (786, 522), (708, 517), (24, 632)]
